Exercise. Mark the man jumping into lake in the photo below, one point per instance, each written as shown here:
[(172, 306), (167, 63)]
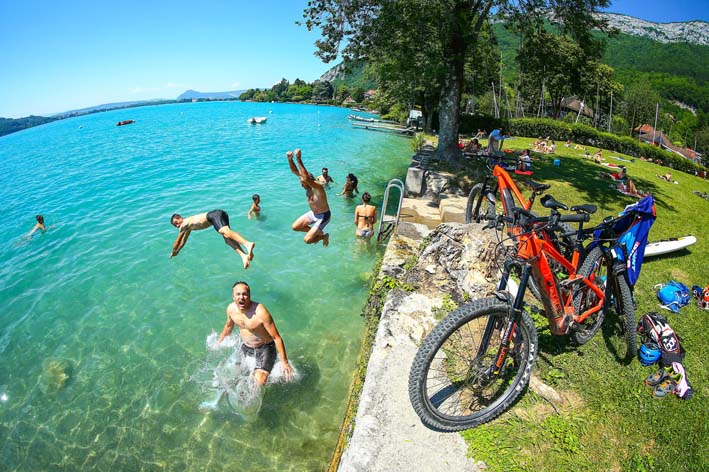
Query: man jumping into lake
[(313, 222), (258, 332), (220, 220)]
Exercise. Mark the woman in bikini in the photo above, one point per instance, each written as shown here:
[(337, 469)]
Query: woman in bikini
[(365, 217), (350, 187)]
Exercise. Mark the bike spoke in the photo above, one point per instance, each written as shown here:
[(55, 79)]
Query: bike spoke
[(460, 382)]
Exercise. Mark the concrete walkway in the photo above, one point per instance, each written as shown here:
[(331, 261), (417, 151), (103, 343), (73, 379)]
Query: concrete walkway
[(388, 435)]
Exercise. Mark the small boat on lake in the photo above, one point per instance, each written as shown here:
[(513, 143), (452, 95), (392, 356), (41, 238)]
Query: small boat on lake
[(397, 129), (125, 122), (371, 120), (256, 120)]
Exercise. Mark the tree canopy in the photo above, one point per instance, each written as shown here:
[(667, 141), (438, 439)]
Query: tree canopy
[(421, 47)]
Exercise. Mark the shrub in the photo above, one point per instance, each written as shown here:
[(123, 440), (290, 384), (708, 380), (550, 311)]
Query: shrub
[(584, 134)]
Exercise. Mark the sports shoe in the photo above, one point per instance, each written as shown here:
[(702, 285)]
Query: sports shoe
[(683, 390), (656, 377), (664, 388)]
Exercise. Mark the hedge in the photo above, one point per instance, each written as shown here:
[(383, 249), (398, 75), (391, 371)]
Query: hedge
[(584, 134)]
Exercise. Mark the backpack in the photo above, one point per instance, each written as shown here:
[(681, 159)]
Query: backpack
[(654, 326), (673, 295), (702, 296), (631, 234)]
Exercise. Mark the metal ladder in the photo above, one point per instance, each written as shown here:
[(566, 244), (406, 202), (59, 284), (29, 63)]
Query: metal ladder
[(387, 223)]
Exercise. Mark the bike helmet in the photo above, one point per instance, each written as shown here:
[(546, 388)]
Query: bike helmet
[(649, 353)]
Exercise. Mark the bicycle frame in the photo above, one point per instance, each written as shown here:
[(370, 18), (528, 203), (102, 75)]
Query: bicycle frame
[(507, 188), (535, 251), (500, 181)]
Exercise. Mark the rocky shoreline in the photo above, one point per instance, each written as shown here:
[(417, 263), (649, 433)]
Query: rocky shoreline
[(429, 267)]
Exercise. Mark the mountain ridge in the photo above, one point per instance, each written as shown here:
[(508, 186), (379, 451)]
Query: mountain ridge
[(693, 32)]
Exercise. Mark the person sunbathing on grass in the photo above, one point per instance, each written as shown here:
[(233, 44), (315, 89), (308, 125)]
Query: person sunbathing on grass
[(630, 189), (622, 175)]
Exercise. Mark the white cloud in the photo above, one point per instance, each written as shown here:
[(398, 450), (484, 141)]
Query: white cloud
[(236, 85)]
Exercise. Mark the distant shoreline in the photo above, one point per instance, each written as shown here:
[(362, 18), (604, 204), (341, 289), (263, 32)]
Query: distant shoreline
[(13, 125)]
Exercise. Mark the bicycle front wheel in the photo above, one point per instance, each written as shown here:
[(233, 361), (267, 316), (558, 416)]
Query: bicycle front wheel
[(626, 308), (481, 204), (454, 383)]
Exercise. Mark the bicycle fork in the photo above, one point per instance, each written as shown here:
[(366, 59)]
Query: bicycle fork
[(513, 316)]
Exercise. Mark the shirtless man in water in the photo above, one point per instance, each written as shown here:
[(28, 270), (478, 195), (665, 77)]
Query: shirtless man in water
[(364, 218), (313, 222), (324, 179), (220, 220), (258, 332)]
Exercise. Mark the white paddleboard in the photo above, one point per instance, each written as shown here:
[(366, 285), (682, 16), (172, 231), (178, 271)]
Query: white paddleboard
[(669, 245)]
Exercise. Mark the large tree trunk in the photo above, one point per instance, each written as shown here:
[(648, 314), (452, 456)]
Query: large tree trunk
[(449, 109), (449, 118)]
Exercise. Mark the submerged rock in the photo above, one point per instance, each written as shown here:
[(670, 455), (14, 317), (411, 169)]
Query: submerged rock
[(56, 374)]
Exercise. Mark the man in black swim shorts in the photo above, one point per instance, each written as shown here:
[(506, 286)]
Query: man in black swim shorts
[(258, 332), (219, 219)]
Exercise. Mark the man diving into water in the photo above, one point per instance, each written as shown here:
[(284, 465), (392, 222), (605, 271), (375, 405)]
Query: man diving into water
[(258, 332), (313, 222), (220, 220)]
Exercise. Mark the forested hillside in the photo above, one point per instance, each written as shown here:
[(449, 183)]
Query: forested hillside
[(8, 125), (677, 71)]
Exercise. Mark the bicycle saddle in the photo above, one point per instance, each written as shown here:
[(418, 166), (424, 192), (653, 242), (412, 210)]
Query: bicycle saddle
[(537, 187), (549, 202), (585, 208)]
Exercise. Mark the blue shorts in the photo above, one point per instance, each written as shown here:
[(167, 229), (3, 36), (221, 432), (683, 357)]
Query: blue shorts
[(364, 233), (318, 220)]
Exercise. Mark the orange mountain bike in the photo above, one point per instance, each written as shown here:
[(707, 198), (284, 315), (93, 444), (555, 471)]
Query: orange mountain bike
[(478, 360), (482, 199)]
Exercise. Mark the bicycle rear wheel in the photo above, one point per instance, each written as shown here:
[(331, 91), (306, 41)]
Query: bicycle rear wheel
[(481, 204), (594, 267), (599, 269), (453, 383)]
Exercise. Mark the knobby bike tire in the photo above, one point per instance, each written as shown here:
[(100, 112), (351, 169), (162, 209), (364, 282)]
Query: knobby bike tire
[(596, 263), (481, 203), (626, 308), (446, 386), (595, 266)]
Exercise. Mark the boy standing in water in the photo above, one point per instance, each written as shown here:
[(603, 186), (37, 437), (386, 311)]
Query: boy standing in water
[(255, 210), (258, 332), (314, 221), (220, 221)]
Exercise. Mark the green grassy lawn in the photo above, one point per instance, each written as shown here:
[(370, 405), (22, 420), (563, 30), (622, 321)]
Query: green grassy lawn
[(611, 420)]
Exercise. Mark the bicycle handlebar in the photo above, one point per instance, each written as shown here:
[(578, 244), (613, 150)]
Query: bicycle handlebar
[(577, 218)]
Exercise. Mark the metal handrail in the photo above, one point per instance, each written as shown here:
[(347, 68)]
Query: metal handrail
[(391, 221)]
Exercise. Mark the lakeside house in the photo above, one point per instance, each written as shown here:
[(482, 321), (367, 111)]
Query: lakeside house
[(573, 104), (650, 135)]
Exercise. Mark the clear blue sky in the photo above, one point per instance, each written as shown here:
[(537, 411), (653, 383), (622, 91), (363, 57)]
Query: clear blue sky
[(62, 55), (662, 11)]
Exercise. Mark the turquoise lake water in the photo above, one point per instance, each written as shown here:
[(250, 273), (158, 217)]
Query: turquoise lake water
[(103, 336)]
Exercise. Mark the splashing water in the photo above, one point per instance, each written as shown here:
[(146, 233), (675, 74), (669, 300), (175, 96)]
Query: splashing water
[(230, 379)]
